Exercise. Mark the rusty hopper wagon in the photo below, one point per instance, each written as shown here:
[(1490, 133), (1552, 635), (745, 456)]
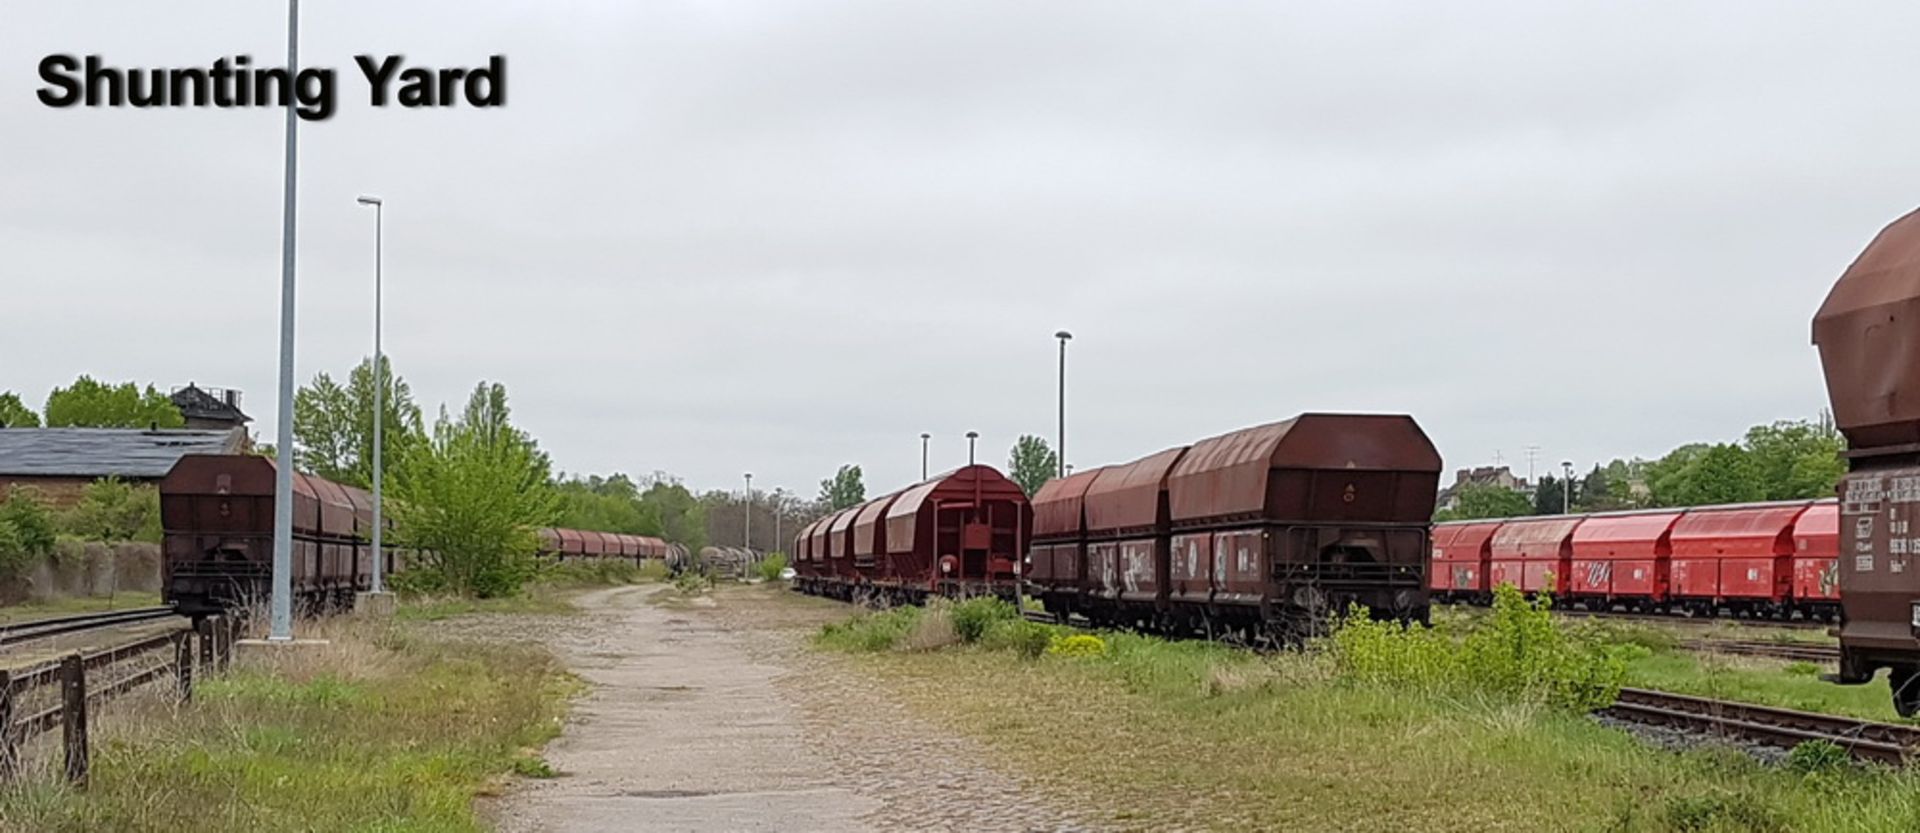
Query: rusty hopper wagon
[(1266, 531), (958, 534), (1868, 332)]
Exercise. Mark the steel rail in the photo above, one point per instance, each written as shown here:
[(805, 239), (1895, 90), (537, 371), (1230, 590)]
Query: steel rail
[(1774, 650), (56, 626), (1864, 739)]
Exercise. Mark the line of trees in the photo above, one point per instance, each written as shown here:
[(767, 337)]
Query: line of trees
[(1785, 460), (90, 403)]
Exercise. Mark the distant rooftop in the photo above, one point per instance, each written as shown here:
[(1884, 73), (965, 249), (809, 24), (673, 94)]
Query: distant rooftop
[(196, 402), (101, 452)]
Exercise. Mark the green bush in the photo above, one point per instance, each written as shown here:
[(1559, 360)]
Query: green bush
[(771, 566), (111, 509), (1818, 756), (1078, 645), (1520, 652), (871, 632), (1028, 639), (972, 617), (32, 521), (14, 558), (692, 582)]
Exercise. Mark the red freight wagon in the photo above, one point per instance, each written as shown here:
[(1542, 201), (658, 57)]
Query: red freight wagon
[(1054, 561), (1736, 557), (802, 552), (1534, 554), (1816, 554), (1461, 552), (1128, 521), (1622, 558), (840, 543)]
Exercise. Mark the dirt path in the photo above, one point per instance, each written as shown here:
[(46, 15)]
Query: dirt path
[(710, 717)]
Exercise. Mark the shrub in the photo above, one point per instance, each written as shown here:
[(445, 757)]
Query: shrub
[(870, 632), (771, 566), (692, 582), (1077, 645), (32, 521), (972, 617), (111, 509), (1520, 652), (1817, 756), (1028, 639), (14, 558)]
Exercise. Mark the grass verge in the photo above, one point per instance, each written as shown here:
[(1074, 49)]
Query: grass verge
[(1149, 735), (76, 604), (382, 729)]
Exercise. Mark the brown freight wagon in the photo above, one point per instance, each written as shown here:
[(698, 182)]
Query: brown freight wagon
[(958, 534), (1868, 332), (1127, 579), (1056, 560), (217, 515), (1277, 527)]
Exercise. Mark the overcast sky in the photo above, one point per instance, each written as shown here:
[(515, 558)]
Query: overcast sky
[(711, 238)]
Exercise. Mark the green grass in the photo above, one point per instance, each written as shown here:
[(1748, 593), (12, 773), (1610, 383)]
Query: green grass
[(76, 604), (377, 731), (1763, 681), (1153, 735), (434, 609)]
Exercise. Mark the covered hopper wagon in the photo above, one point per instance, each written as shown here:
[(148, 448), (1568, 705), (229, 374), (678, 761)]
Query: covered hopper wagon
[(957, 534)]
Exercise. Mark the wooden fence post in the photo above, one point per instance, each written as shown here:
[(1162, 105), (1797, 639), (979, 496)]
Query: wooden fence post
[(73, 714), (9, 750), (203, 631), (183, 664)]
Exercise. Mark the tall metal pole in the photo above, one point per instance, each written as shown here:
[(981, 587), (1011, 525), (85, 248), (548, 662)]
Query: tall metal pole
[(281, 627), (924, 437), (379, 386), (748, 534), (1064, 337), (971, 436), (1566, 487)]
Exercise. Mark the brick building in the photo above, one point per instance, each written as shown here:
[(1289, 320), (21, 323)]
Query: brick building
[(210, 409), (60, 462)]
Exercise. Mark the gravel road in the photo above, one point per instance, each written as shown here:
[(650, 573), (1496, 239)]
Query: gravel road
[(709, 717)]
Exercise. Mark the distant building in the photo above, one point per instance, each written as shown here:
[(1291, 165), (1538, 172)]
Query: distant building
[(60, 462), (1499, 476), (210, 408)]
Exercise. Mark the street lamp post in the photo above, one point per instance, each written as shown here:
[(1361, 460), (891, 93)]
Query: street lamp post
[(280, 628), (1064, 337), (924, 437), (971, 436), (748, 534), (379, 386), (1566, 487)]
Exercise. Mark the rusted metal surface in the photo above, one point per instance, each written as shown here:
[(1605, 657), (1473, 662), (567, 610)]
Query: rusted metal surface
[(869, 533), (969, 525), (1374, 466), (1623, 555), (840, 534), (1868, 332), (1132, 497), (1057, 506), (1879, 557), (1534, 554)]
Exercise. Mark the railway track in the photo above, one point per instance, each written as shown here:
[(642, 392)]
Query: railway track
[(1865, 739), (1672, 619), (16, 633), (1773, 650)]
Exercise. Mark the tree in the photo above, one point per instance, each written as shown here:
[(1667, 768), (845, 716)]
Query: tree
[(843, 489), (470, 498), (1550, 495), (88, 403), (1723, 473), (1796, 459), (1596, 493), (1478, 500), (1666, 477), (1032, 463), (610, 504), (16, 414), (333, 425), (683, 520)]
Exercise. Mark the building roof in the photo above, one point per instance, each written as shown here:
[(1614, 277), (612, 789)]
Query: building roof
[(216, 403), (103, 452)]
